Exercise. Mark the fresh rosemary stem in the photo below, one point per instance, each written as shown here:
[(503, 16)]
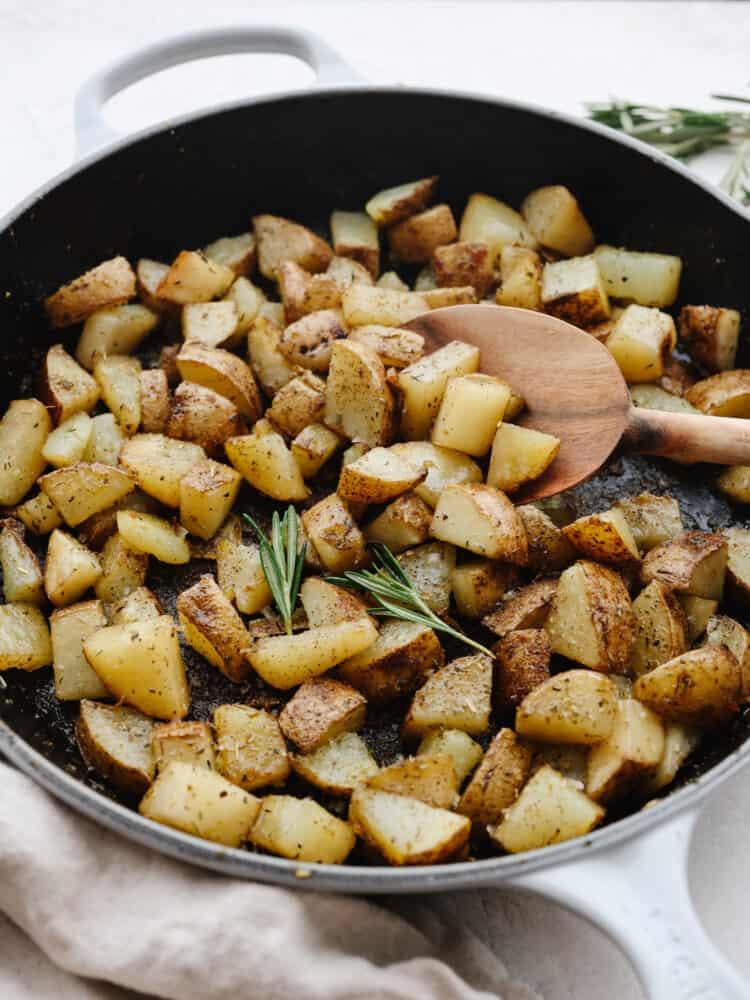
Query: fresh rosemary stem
[(283, 560)]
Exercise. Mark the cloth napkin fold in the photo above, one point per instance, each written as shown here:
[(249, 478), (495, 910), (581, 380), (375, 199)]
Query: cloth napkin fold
[(107, 917)]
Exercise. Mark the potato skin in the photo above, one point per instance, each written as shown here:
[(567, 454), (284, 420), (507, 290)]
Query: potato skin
[(703, 687), (675, 562), (523, 609), (523, 659), (129, 779), (497, 781), (321, 709), (398, 663)]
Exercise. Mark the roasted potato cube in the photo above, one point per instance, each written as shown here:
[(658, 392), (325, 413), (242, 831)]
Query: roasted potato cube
[(268, 362), (301, 830), (402, 656), (396, 203), (309, 342), (549, 549), (455, 697), (414, 239), (660, 628), (523, 663), (528, 607), (192, 277), (141, 664), (427, 778), (650, 279), (236, 252), (24, 638), (430, 569), (224, 373), (149, 275), (479, 585), (247, 299), (519, 454), (116, 741), (313, 446), (159, 463), (119, 379), (298, 404), (355, 235), (377, 477), (204, 417), (461, 748), (22, 575), (444, 466), (405, 831), (195, 800), (39, 514), (395, 347), (734, 482), (346, 271), (567, 759), (711, 335), (140, 605), (698, 611), (213, 628), (577, 706), (363, 305), (641, 341), (702, 687), (652, 397), (187, 742), (153, 535), (250, 750), (497, 781), (338, 765), (303, 293), (114, 330), (604, 537), (630, 754), (230, 531), (241, 576), (207, 495), (423, 385), (485, 398), (334, 534), (268, 465), (359, 404), (123, 570), (280, 239), (82, 490), (520, 278), (574, 291), (67, 388), (389, 279), (284, 661), (679, 743), (326, 604), (487, 220), (738, 563), (555, 218), (591, 620), (404, 523), (724, 395), (213, 324), (652, 520), (692, 563), (106, 438), (481, 519), (723, 631), (549, 810), (321, 709), (70, 569), (108, 284), (464, 263)]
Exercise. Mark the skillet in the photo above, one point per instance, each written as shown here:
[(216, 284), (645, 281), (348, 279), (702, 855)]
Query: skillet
[(184, 183)]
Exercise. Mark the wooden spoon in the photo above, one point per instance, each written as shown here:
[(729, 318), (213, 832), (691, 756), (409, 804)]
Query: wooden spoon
[(574, 389)]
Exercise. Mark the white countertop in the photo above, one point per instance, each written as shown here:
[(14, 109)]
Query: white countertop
[(554, 54)]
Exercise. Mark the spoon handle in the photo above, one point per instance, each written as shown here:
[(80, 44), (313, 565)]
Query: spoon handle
[(688, 438)]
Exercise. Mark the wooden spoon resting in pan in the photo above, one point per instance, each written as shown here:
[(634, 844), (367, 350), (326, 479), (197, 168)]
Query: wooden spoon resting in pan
[(574, 390)]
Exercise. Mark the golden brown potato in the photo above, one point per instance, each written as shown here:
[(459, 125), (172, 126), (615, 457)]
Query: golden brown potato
[(591, 620), (303, 293), (204, 417), (528, 607), (23, 432), (395, 347), (465, 263), (660, 628), (424, 382), (402, 656), (702, 687), (213, 628), (485, 398), (520, 278), (84, 489), (481, 519), (574, 291), (298, 404), (225, 374), (523, 662), (692, 563), (362, 305), (267, 464), (338, 765), (394, 204), (66, 387), (149, 275), (430, 569), (678, 377), (428, 778), (444, 467), (114, 330), (461, 748), (326, 604), (116, 741), (69, 628), (334, 534), (377, 477), (192, 277), (628, 756), (389, 279), (549, 549), (724, 395), (279, 239), (734, 482), (301, 830), (154, 535), (271, 367), (650, 279), (478, 586), (355, 235), (22, 575), (207, 495), (679, 742), (724, 631), (241, 575), (159, 463), (123, 570), (312, 448), (604, 537), (108, 284), (248, 300), (24, 638), (250, 750), (555, 218), (577, 706), (213, 324), (156, 402), (359, 403), (497, 781), (69, 441), (137, 606), (309, 342), (403, 524), (519, 454), (187, 742), (119, 380), (39, 514), (738, 563), (321, 709), (346, 272), (487, 220), (698, 611), (711, 335), (70, 569), (230, 531), (236, 252), (652, 520), (641, 341), (415, 239), (455, 697)]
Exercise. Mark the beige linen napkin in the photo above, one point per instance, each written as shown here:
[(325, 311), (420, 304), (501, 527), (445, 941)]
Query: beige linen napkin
[(98, 907)]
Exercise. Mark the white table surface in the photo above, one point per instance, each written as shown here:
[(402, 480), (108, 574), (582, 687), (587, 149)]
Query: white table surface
[(554, 54)]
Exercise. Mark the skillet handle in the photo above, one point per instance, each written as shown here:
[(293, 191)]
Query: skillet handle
[(91, 129), (638, 893)]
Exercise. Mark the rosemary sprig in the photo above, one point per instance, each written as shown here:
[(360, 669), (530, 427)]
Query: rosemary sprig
[(685, 132), (396, 595), (283, 560)]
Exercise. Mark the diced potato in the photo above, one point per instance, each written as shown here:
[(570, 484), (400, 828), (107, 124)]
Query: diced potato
[(591, 620), (724, 631), (389, 279), (414, 239), (652, 520), (241, 576), (123, 570), (485, 398), (402, 656), (303, 293), (519, 454), (24, 638), (250, 750), (334, 534), (109, 283), (309, 342), (724, 395), (377, 477), (195, 800), (464, 263), (711, 335), (702, 687), (650, 279), (404, 523), (481, 519), (692, 563), (139, 605), (67, 444), (312, 448), (213, 324), (207, 495), (660, 628), (423, 385), (70, 569), (236, 252), (298, 404), (456, 697), (679, 742), (119, 379), (549, 549), (652, 397), (106, 438), (549, 810), (678, 377), (738, 563), (67, 388), (528, 607), (428, 778), (230, 531), (39, 514), (247, 299), (523, 663), (630, 754), (279, 240), (159, 464), (396, 203), (268, 362), (346, 271), (395, 347), (114, 330), (363, 304), (223, 372), (321, 709), (192, 277), (301, 830), (268, 465), (604, 537), (116, 741), (574, 291), (338, 765), (82, 490), (444, 466), (555, 218), (576, 706), (479, 585), (641, 342), (22, 575), (734, 482), (187, 742), (355, 235), (698, 611), (359, 403), (326, 604), (497, 781), (284, 661), (149, 275), (141, 664), (461, 748), (520, 278), (213, 628), (487, 220), (203, 416), (153, 535), (405, 831), (430, 569)]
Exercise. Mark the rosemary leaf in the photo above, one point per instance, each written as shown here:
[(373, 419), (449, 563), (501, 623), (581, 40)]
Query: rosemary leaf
[(282, 560)]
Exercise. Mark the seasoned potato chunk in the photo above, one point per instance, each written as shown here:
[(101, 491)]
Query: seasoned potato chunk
[(114, 330), (69, 628), (605, 537), (391, 280), (574, 290), (393, 204), (456, 697), (107, 438), (80, 491), (430, 569), (528, 607), (298, 404), (108, 284), (149, 275), (68, 442), (660, 628), (359, 403), (268, 362), (630, 754), (223, 372), (355, 235), (523, 662), (577, 706), (692, 563), (67, 388), (123, 570), (363, 305), (321, 709), (309, 341), (334, 534), (203, 416), (738, 563), (679, 743), (312, 448), (404, 523), (652, 397), (702, 687), (39, 514), (377, 477), (478, 586), (211, 323), (22, 575), (487, 220), (241, 575), (250, 750), (70, 569), (495, 784), (652, 520), (116, 741), (464, 263), (213, 628), (301, 830), (187, 742), (460, 747), (140, 605), (423, 385), (236, 252), (414, 239), (279, 239), (326, 604), (346, 271), (394, 347), (724, 631), (153, 535), (519, 454), (338, 765), (724, 395), (428, 778), (192, 277), (711, 335), (650, 279), (641, 341), (549, 549), (247, 299), (402, 656), (159, 464), (520, 278), (698, 611), (24, 638), (207, 495), (485, 398), (555, 218), (267, 464), (481, 519), (734, 482)]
